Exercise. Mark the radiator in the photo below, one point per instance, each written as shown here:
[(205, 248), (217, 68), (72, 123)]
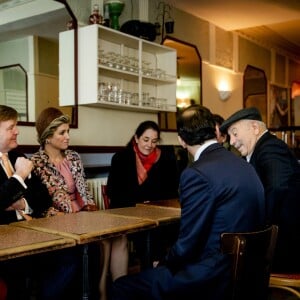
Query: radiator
[(97, 187)]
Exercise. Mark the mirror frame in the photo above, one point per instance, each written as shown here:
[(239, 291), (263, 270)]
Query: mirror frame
[(74, 116), (74, 119), (26, 84), (167, 120), (257, 90)]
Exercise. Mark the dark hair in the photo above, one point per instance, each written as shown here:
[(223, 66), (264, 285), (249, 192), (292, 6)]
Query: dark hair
[(218, 119), (143, 127), (7, 113), (195, 125)]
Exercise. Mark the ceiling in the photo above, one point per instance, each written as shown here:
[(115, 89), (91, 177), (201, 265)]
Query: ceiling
[(275, 23), (44, 18)]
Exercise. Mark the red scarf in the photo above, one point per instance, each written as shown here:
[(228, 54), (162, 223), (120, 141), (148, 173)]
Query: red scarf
[(144, 162)]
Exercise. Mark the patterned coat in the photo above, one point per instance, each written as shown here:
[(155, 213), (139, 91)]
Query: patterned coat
[(56, 183)]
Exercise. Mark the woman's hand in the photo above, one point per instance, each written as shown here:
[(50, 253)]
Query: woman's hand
[(90, 207), (53, 212)]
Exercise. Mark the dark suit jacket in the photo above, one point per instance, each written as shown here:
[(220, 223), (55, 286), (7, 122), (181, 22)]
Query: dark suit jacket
[(279, 172), (220, 192), (11, 190), (123, 188)]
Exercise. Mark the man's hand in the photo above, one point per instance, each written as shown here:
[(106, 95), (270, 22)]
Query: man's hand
[(23, 167), (18, 205), (25, 216)]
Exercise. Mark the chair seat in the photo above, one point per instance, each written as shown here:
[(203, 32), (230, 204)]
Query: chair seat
[(286, 281)]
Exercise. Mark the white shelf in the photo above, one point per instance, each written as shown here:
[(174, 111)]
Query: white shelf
[(132, 67), (130, 107)]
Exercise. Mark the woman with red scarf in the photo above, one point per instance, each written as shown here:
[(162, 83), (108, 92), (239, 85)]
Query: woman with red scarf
[(144, 172)]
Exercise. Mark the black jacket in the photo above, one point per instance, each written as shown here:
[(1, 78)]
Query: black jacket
[(12, 190), (279, 172), (122, 185)]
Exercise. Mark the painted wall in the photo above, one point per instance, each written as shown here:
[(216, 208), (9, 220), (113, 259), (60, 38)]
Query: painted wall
[(211, 77), (101, 127), (98, 126)]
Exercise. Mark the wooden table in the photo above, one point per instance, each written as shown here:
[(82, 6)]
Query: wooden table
[(16, 242), (174, 203), (87, 227), (160, 215)]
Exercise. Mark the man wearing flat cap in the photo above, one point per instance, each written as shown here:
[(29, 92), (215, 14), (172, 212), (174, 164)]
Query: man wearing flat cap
[(279, 171)]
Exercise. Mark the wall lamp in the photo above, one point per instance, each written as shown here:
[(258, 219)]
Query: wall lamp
[(224, 90), (224, 95)]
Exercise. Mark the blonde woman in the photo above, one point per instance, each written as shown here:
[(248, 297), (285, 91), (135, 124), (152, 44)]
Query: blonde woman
[(62, 171)]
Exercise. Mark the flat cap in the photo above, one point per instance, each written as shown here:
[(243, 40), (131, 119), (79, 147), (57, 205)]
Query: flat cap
[(250, 113)]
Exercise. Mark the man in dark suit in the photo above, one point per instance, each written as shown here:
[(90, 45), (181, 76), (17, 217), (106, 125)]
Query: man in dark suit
[(279, 172), (219, 192), (22, 197)]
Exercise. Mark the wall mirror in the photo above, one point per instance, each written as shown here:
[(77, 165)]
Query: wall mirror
[(29, 37), (255, 90), (13, 89), (188, 87)]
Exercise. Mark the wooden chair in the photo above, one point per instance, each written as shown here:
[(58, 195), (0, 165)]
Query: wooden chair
[(252, 255), (287, 282), (105, 197), (3, 289)]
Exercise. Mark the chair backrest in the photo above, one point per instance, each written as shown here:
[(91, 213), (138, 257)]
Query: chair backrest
[(105, 197), (252, 256)]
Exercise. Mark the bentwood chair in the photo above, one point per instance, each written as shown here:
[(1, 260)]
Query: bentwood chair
[(105, 197), (252, 255), (3, 289), (287, 282)]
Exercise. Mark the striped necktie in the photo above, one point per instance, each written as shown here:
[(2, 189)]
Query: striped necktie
[(6, 164)]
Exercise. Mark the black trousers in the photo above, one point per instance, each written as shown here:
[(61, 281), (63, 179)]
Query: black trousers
[(46, 276)]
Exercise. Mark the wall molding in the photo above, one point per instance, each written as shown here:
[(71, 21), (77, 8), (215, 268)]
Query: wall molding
[(78, 148)]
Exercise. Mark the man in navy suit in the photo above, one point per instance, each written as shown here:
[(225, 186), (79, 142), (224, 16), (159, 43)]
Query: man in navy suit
[(219, 192), (279, 172)]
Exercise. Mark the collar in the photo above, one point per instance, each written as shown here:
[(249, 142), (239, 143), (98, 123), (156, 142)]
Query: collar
[(248, 157), (203, 147), (1, 153)]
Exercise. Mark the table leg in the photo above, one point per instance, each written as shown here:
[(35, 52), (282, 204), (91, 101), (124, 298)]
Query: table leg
[(148, 249), (85, 273)]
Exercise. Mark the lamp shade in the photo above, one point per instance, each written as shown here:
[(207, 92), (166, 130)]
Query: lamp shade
[(224, 95)]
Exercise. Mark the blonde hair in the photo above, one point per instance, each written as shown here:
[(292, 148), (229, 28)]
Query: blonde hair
[(48, 121)]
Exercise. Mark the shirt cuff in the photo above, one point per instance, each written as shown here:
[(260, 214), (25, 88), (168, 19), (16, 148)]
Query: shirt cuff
[(20, 179), (26, 211), (19, 216)]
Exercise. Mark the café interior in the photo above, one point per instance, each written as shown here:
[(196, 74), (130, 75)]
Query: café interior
[(224, 68), (225, 55)]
